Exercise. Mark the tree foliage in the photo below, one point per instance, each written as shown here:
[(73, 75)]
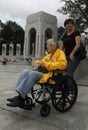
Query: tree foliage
[(12, 33), (77, 10), (61, 30)]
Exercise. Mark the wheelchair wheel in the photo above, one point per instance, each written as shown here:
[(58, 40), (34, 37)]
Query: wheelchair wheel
[(45, 110), (41, 96), (64, 94)]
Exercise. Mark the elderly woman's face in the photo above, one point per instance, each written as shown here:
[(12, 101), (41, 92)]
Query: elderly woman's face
[(50, 47)]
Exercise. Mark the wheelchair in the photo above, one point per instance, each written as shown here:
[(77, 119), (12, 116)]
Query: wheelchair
[(62, 94)]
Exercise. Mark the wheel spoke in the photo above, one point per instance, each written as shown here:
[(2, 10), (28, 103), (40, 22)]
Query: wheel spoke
[(59, 101), (64, 100)]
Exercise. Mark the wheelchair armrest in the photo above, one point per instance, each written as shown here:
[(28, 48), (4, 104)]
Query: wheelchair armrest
[(57, 74), (59, 71)]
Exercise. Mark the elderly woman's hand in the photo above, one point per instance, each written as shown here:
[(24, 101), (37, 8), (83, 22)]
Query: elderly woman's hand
[(36, 66), (42, 64)]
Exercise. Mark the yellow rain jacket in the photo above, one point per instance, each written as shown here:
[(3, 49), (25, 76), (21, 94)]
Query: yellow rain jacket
[(58, 61)]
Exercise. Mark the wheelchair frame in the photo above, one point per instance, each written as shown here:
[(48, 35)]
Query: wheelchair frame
[(63, 95)]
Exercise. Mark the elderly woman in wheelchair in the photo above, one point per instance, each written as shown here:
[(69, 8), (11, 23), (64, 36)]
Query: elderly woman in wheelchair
[(54, 85)]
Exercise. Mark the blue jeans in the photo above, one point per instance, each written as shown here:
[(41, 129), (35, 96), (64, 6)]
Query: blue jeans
[(72, 66), (27, 80)]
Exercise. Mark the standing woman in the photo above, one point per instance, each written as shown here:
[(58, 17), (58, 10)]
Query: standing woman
[(70, 43)]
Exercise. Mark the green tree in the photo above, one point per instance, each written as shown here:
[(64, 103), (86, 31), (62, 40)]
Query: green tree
[(6, 34), (1, 39), (78, 10), (1, 30), (17, 36), (13, 33), (61, 30)]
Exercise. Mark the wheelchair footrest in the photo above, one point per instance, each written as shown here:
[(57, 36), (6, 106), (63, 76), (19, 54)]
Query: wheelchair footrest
[(28, 106)]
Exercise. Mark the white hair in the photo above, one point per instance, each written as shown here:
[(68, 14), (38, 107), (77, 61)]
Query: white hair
[(52, 42)]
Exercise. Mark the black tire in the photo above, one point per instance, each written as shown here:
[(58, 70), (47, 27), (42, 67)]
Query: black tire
[(47, 94), (45, 110), (64, 94)]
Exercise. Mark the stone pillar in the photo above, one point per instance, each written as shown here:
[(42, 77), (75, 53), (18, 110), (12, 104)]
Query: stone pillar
[(24, 51), (37, 45), (4, 50), (18, 50), (43, 44), (25, 47), (26, 44), (11, 50)]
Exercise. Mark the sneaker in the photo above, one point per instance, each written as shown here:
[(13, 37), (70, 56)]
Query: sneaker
[(11, 99), (18, 101)]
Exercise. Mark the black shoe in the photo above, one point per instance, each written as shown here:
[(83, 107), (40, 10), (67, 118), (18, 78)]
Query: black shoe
[(11, 99), (19, 101)]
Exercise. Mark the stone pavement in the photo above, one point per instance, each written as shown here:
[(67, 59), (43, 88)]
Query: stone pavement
[(19, 119)]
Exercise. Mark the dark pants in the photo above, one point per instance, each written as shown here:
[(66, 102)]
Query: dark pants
[(72, 66)]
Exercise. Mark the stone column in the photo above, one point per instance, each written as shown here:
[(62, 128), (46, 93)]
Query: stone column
[(26, 48), (43, 45), (18, 50), (37, 45), (40, 46), (11, 50), (4, 50)]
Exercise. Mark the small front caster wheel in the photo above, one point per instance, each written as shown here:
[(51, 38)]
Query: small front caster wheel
[(45, 110)]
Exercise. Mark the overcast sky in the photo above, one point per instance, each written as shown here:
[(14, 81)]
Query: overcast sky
[(18, 10)]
